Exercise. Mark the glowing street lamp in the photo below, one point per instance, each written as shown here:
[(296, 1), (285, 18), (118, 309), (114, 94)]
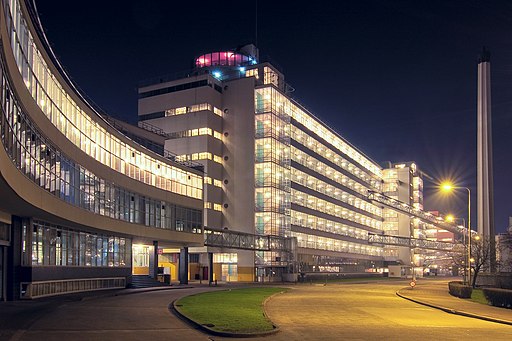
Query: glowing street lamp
[(449, 218), (449, 187)]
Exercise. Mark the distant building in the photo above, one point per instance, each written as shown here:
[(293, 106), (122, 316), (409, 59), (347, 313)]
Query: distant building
[(504, 249), (403, 181)]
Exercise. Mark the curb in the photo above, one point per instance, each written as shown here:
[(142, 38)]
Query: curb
[(173, 308), (124, 292), (144, 290), (454, 311)]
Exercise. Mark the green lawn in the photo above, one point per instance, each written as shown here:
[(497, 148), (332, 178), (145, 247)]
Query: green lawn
[(236, 310), (478, 296)]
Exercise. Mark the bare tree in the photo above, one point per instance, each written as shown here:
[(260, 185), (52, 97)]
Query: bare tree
[(481, 248), (459, 257)]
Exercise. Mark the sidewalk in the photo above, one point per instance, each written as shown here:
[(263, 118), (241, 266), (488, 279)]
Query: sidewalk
[(435, 294)]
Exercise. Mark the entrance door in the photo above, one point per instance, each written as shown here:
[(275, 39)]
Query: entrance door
[(229, 273), (140, 259)]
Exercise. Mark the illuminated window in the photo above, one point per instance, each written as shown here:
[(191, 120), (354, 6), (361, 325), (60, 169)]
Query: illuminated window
[(251, 73), (225, 258), (82, 130)]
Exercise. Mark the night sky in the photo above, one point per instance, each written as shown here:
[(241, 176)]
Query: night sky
[(398, 79)]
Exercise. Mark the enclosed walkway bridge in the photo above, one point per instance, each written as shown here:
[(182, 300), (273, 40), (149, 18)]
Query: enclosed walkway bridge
[(229, 239), (411, 242), (401, 207)]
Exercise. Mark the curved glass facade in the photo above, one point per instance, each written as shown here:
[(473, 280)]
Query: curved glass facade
[(224, 58), (84, 132), (54, 245), (43, 163)]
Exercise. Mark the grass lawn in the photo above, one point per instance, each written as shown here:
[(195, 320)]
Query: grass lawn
[(478, 296), (235, 310)]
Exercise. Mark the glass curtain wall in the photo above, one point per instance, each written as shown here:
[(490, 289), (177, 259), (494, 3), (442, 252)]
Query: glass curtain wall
[(52, 245), (46, 166), (78, 127), (272, 170)]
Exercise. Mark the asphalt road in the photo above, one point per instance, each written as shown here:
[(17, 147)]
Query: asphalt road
[(310, 312), (370, 312)]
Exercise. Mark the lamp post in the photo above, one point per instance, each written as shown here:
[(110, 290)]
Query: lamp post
[(451, 219), (447, 187)]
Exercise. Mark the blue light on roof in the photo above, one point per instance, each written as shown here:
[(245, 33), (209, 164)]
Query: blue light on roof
[(217, 74)]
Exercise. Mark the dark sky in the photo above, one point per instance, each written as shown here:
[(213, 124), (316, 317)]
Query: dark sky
[(396, 78)]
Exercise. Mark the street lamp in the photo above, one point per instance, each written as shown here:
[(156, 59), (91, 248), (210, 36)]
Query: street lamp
[(449, 218), (448, 187)]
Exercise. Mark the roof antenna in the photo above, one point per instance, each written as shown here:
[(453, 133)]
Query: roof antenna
[(256, 24)]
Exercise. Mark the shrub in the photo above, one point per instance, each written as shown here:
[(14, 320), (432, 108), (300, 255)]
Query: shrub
[(498, 297), (458, 289)]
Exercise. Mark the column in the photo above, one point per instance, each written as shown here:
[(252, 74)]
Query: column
[(485, 190), (210, 268), (153, 266), (183, 266)]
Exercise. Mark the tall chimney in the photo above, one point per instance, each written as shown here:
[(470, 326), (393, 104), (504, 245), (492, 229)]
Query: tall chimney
[(485, 191)]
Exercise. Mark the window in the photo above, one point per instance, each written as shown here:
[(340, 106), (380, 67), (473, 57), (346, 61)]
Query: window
[(54, 245), (86, 133)]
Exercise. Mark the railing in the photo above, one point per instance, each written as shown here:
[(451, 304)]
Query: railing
[(33, 290), (166, 153), (272, 181), (149, 127), (173, 77)]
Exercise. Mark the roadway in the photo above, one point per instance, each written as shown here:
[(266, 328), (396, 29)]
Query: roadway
[(307, 312), (370, 312)]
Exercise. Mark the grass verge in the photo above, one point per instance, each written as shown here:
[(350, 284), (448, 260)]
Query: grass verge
[(478, 296), (234, 311)]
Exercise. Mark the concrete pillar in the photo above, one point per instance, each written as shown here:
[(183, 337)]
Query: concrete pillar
[(485, 190), (210, 268), (183, 266), (153, 266), (16, 273)]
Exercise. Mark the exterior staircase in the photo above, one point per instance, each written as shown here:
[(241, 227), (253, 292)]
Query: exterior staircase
[(143, 281)]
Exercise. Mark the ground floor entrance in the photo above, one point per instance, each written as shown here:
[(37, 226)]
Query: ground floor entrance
[(229, 273), (141, 259), (144, 258)]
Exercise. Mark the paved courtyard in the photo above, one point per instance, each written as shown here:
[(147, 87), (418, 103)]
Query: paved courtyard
[(364, 311)]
